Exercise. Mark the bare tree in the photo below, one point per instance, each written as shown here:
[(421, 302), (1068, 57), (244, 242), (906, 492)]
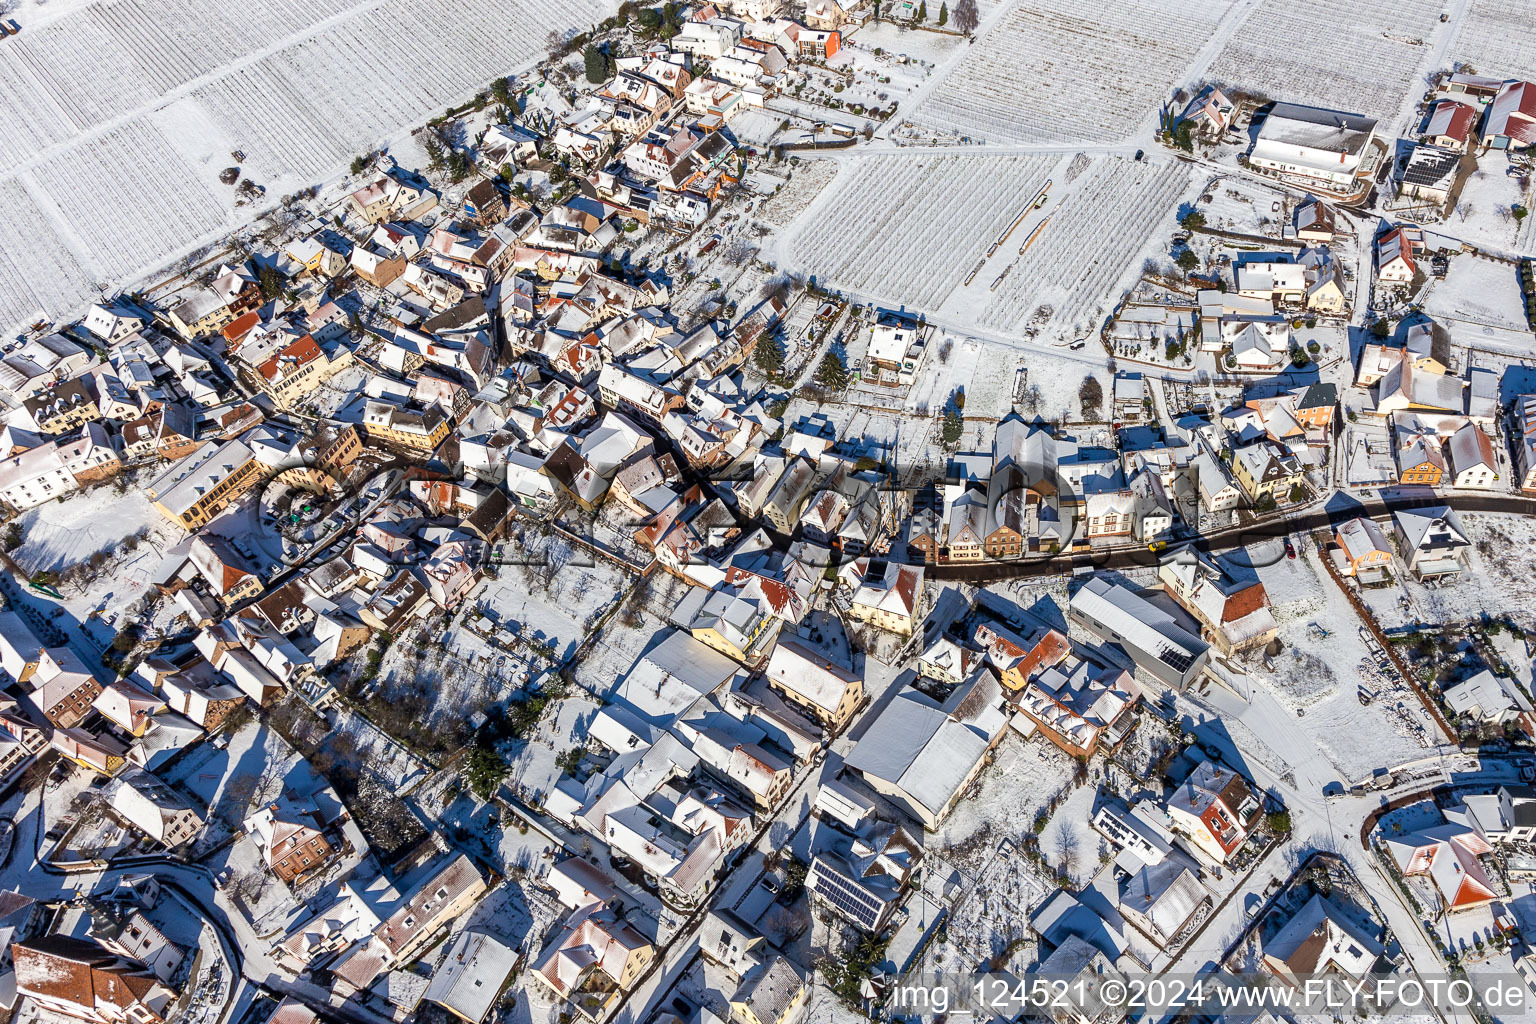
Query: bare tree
[(966, 18)]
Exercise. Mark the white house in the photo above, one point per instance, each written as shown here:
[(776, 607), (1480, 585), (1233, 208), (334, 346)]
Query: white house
[(1312, 144)]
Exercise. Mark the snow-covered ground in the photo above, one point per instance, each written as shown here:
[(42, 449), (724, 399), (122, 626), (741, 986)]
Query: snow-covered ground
[(132, 536), (112, 104), (1494, 39), (1356, 55), (1480, 302), (1038, 74)]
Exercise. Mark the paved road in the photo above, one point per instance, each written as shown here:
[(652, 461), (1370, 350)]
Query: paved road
[(1338, 509)]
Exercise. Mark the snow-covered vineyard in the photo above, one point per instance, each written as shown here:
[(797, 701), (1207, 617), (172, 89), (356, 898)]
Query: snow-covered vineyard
[(1036, 76), (913, 226), (115, 103)]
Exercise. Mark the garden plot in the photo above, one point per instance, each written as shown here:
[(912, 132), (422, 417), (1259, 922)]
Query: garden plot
[(128, 544), (1495, 39), (554, 603), (806, 182), (1496, 582), (563, 728), (1484, 211), (977, 865), (906, 229), (1361, 56), (1477, 293), (1319, 672), (1081, 260), (1040, 74)]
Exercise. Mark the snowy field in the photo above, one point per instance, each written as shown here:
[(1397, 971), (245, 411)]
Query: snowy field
[(906, 229), (1484, 209), (1357, 55), (116, 103), (1090, 244), (1039, 75), (1320, 670), (1476, 293), (133, 537), (1495, 39)]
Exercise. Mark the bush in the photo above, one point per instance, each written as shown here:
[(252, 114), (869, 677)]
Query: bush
[(1194, 220), (1090, 394)]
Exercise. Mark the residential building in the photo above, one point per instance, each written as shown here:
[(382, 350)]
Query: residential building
[(81, 979), (823, 689), (420, 429), (1209, 112), (62, 686), (1235, 615), (1396, 257), (1079, 705), (1473, 463), (1321, 938), (891, 601), (1450, 856), (594, 962), (153, 807), (409, 917), (297, 370), (1523, 424), (1451, 125), (1432, 540), (1266, 469), (776, 993), (1149, 635), (294, 838), (1160, 900), (1215, 810), (1367, 555), (197, 488), (55, 468), (864, 877), (62, 408), (471, 977), (1325, 149), (1511, 117), (1507, 815), (1486, 698), (922, 754), (1429, 174)]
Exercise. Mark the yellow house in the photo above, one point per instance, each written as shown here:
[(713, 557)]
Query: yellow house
[(776, 994), (298, 370), (312, 254), (421, 429), (1266, 468), (100, 752), (598, 958), (200, 486), (826, 691)]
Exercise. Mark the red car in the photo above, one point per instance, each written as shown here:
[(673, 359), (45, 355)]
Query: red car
[(1290, 549)]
